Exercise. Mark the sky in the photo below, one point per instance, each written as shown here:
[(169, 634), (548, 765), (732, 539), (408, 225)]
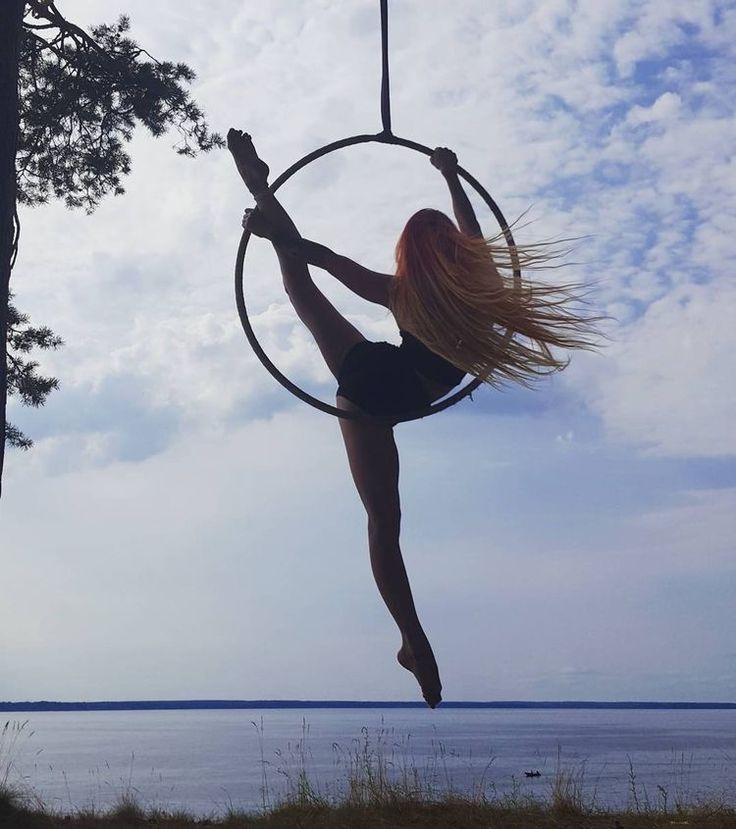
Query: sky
[(185, 528)]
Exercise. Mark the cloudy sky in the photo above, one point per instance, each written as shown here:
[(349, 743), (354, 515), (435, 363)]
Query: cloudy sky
[(185, 528)]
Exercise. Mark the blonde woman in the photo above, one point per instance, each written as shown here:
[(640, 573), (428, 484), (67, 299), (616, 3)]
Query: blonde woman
[(453, 298)]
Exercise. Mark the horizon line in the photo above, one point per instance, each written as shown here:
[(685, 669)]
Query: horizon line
[(234, 704)]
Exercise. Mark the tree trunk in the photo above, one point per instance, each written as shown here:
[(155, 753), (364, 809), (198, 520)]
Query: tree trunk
[(11, 18)]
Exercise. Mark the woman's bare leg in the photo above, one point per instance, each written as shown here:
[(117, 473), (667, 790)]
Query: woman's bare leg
[(374, 464), (334, 335)]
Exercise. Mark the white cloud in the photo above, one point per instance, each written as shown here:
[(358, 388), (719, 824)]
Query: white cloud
[(665, 108), (668, 383)]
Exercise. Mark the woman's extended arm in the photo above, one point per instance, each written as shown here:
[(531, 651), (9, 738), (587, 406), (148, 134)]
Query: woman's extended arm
[(368, 284), (446, 162)]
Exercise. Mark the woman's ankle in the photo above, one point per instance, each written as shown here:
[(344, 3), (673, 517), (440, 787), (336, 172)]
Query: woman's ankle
[(413, 635)]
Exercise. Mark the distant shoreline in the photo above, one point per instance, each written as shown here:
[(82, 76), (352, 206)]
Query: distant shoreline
[(215, 704)]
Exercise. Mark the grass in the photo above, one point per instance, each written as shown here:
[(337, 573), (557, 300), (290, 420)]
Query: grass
[(383, 787), (453, 812)]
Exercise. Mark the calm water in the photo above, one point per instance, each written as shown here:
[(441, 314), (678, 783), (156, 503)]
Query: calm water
[(208, 761)]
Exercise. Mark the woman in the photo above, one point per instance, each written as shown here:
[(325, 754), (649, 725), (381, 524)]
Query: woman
[(453, 307)]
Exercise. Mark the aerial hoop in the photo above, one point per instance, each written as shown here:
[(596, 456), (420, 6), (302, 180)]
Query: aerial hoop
[(380, 138), (383, 137)]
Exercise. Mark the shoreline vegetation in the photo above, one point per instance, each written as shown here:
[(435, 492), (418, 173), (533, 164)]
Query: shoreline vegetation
[(378, 788), (376, 803), (399, 814)]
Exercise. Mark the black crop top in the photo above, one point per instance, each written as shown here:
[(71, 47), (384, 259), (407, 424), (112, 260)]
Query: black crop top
[(427, 363)]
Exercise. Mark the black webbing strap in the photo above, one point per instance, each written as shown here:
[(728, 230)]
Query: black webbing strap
[(385, 84)]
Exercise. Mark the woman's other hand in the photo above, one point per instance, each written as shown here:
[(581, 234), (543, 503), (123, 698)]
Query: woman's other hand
[(256, 223), (444, 160)]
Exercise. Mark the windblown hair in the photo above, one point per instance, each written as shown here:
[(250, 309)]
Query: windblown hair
[(457, 294)]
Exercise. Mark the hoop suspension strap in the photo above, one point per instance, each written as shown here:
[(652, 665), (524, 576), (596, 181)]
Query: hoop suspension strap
[(385, 85)]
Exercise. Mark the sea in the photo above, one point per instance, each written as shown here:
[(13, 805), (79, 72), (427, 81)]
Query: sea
[(211, 762)]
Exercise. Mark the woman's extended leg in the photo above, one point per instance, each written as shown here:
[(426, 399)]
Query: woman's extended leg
[(374, 464), (334, 335)]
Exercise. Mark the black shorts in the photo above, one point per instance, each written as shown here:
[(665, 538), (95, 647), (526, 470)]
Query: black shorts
[(379, 378)]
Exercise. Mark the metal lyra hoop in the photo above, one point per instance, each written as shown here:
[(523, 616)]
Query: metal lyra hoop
[(380, 138)]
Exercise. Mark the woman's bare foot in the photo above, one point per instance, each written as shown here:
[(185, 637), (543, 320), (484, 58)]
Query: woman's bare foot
[(252, 169), (419, 660)]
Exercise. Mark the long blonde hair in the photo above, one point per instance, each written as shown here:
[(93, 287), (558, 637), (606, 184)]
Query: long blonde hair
[(457, 294)]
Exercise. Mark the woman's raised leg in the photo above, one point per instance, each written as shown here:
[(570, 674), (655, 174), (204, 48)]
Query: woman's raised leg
[(374, 464), (334, 335)]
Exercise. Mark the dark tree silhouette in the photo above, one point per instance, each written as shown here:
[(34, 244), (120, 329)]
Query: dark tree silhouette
[(69, 102), (23, 377)]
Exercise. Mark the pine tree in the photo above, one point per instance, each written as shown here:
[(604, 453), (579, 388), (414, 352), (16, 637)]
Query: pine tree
[(23, 377), (69, 102)]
